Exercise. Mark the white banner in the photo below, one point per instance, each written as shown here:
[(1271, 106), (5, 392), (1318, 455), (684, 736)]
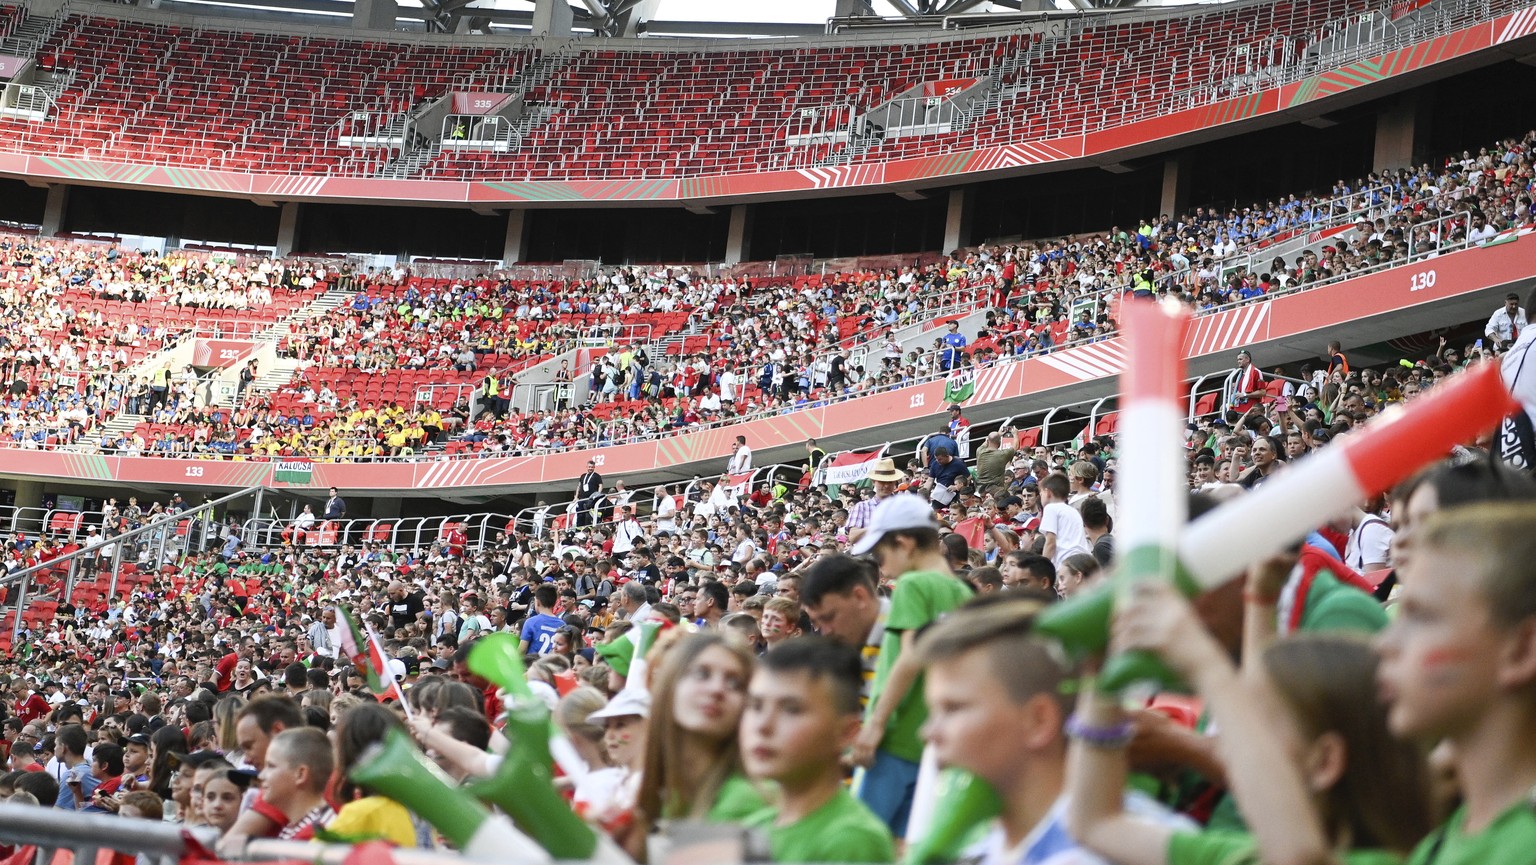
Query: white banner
[(849, 469)]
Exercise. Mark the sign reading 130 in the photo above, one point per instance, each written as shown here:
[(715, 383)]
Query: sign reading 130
[(1421, 280)]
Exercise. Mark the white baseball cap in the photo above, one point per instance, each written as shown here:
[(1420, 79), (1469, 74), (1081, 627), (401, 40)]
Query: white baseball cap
[(630, 701), (898, 512)]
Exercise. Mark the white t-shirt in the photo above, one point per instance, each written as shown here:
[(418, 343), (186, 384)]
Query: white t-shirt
[(741, 461), (1063, 520), (666, 514), (1371, 541), (624, 536), (1050, 844)]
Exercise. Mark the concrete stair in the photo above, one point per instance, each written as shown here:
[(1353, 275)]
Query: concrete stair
[(280, 372)]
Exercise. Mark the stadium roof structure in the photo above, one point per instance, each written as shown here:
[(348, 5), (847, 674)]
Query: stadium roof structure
[(711, 19)]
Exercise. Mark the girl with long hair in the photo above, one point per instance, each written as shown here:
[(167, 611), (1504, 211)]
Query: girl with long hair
[(162, 744), (692, 768)]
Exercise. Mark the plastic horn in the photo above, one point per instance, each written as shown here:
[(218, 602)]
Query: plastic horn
[(1154, 506), (523, 788), (964, 803), (1389, 449), (1245, 531), (395, 768), (498, 659)]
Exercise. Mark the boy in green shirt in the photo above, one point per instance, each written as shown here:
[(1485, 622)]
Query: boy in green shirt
[(1458, 666), (802, 712), (903, 537)]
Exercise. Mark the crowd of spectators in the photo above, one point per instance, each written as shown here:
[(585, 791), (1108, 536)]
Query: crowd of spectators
[(224, 651), (779, 345), (77, 316)]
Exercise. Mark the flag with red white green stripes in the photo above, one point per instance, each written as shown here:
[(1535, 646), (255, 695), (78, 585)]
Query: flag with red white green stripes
[(361, 646)]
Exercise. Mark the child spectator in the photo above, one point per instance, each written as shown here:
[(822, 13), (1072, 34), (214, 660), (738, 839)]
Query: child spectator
[(1310, 763), (1459, 667), (692, 763), (222, 790), (802, 713), (293, 780), (998, 697), (781, 621)]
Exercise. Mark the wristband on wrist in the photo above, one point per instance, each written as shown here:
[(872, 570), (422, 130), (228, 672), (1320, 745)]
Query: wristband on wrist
[(1109, 736)]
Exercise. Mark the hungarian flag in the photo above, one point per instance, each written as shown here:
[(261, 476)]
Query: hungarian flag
[(1507, 236), (1081, 438), (360, 645), (960, 385)]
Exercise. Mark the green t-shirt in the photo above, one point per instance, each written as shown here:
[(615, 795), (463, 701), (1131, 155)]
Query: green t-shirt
[(843, 830), (738, 799), (1332, 606), (1220, 847), (920, 598), (1509, 840)]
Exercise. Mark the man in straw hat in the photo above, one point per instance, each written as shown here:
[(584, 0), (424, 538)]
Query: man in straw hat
[(885, 476)]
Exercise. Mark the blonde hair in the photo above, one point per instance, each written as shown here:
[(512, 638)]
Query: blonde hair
[(789, 609), (225, 712), (573, 709), (1493, 539), (1023, 663)]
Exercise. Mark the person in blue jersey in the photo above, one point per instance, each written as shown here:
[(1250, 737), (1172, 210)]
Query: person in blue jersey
[(954, 346)]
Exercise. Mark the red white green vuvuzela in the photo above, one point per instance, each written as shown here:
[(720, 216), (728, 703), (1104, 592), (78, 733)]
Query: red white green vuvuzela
[(1245, 531), (1152, 493)]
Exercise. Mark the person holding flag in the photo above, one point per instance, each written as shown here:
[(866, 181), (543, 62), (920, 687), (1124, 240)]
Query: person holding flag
[(360, 645)]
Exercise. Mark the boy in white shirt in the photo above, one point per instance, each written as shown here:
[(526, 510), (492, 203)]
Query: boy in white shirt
[(1061, 523)]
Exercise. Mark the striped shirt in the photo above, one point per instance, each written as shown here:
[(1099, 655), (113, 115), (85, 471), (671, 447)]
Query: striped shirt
[(859, 515), (871, 653)]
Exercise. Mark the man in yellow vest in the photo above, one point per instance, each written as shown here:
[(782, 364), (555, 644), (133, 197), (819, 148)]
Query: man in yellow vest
[(490, 394)]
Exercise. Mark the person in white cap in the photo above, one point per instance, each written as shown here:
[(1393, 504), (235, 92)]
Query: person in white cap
[(903, 537), (607, 795)]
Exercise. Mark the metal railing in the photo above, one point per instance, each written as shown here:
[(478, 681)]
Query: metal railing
[(481, 531), (49, 829), (27, 101), (178, 529), (43, 831)]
